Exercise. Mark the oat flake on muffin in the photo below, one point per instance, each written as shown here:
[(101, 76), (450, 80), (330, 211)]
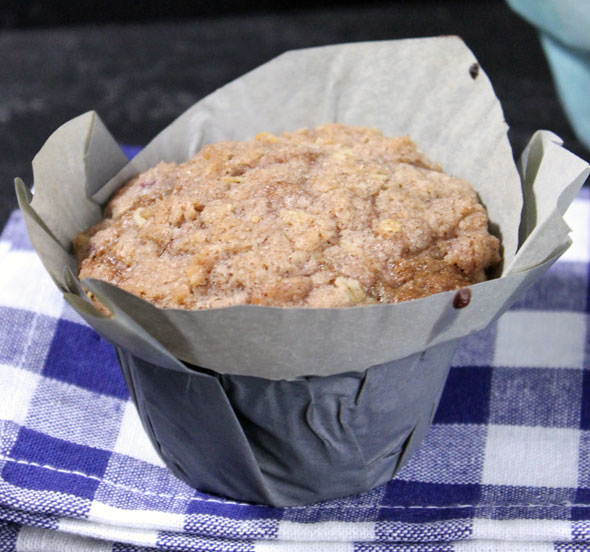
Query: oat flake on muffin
[(328, 217)]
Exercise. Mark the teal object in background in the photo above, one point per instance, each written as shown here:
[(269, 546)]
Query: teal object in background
[(564, 29)]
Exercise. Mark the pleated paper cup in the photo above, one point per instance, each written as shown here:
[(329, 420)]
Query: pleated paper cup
[(289, 406)]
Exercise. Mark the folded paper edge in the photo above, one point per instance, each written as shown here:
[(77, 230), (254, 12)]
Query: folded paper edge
[(134, 323), (533, 161)]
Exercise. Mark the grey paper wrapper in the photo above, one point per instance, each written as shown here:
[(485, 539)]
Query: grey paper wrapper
[(294, 442), (301, 405)]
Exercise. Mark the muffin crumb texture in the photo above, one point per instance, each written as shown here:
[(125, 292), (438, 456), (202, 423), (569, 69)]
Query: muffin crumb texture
[(330, 217)]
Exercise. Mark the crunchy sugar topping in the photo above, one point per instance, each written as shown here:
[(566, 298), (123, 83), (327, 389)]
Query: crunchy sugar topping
[(329, 217)]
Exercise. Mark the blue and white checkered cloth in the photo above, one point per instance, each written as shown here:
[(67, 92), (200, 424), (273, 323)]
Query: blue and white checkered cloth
[(506, 465)]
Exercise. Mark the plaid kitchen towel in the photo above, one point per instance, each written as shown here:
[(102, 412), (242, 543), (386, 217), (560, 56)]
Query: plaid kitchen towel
[(505, 466)]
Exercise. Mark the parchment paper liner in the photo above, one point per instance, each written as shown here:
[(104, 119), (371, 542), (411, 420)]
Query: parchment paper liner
[(422, 87)]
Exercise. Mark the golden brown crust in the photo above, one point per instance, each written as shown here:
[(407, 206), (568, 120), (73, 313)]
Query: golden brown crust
[(333, 216)]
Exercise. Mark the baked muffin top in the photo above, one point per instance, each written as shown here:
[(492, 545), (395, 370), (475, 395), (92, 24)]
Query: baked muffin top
[(326, 217)]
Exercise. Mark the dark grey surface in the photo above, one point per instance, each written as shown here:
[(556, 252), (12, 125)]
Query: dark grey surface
[(140, 77)]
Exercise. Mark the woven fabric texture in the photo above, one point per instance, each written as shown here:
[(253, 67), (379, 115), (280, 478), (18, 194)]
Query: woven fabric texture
[(505, 466)]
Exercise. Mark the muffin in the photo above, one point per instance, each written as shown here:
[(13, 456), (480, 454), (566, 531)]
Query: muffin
[(289, 406), (326, 217)]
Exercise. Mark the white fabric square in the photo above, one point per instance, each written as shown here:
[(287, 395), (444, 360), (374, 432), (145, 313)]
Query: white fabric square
[(17, 387), (133, 440), (577, 217), (531, 456), (140, 519), (520, 530), (327, 531), (541, 338), (26, 285)]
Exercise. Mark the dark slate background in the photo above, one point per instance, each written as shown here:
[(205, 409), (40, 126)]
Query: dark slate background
[(141, 68)]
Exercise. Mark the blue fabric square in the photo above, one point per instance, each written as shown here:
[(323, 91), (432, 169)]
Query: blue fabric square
[(536, 396), (78, 355), (562, 287), (43, 479), (583, 497), (415, 494), (232, 510), (466, 396), (75, 469), (585, 407), (387, 529), (25, 337)]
